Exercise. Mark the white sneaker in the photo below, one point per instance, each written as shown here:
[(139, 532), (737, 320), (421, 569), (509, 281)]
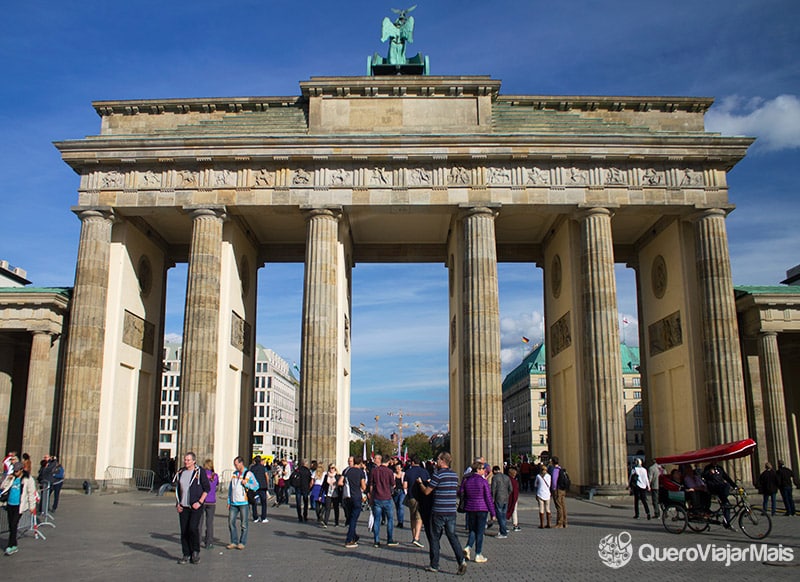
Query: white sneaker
[(256, 520), (467, 553), (265, 520), (479, 559)]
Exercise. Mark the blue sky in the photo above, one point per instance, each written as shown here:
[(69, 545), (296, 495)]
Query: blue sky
[(59, 56)]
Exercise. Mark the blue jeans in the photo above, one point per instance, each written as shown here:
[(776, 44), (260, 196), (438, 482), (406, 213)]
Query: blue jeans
[(445, 522), (476, 523), (788, 501), (500, 510), (240, 511), (355, 511), (379, 507), (399, 497), (769, 497), (301, 498)]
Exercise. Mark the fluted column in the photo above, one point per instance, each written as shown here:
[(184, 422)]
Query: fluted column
[(483, 396), (83, 369), (724, 384), (198, 393), (602, 368), (37, 429), (769, 365), (318, 380), (7, 349)]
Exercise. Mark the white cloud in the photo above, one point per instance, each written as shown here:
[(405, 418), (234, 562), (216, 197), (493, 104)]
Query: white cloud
[(776, 123)]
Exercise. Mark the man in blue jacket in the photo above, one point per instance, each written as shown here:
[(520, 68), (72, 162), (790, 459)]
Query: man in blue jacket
[(191, 489)]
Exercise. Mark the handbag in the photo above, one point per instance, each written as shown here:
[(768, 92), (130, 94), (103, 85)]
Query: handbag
[(4, 495), (462, 502)]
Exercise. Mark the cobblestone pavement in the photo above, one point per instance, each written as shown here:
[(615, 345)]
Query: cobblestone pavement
[(131, 536)]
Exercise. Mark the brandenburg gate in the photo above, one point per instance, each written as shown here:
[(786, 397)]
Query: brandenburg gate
[(402, 169)]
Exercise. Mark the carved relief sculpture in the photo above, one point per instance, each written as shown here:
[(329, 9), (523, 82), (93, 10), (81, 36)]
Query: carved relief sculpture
[(113, 179), (651, 177), (301, 178), (499, 176), (150, 179), (537, 176), (615, 176), (419, 177), (576, 176), (225, 178), (187, 178), (458, 176), (340, 177), (264, 179), (380, 177)]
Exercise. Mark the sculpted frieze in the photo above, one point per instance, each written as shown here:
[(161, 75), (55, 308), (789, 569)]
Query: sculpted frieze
[(149, 179), (264, 179), (538, 177), (615, 176), (576, 177), (112, 179), (419, 177), (186, 179), (340, 177), (498, 176), (689, 178), (301, 178), (651, 177), (224, 178), (380, 176), (458, 176)]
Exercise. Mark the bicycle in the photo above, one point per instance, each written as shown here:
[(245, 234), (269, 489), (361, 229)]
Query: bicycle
[(753, 521)]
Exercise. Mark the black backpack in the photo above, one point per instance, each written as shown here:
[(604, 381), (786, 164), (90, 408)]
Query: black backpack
[(294, 479), (563, 480)]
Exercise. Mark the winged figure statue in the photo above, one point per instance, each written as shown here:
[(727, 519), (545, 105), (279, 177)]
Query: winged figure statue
[(399, 32)]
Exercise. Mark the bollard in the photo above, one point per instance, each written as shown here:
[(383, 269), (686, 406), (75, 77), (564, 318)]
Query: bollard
[(87, 488), (592, 491)]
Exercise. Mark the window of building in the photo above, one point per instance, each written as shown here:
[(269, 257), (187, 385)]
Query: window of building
[(542, 424), (542, 395), (637, 395), (638, 423), (165, 437), (543, 410), (542, 382), (636, 382), (637, 410)]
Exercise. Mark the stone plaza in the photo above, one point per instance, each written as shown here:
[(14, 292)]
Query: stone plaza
[(131, 536)]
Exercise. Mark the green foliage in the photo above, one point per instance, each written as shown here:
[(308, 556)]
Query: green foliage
[(419, 444)]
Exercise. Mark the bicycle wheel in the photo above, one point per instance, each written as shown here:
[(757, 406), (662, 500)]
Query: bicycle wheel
[(755, 523), (674, 519), (696, 522)]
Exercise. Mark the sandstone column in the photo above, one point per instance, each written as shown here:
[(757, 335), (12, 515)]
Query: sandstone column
[(602, 368), (769, 365), (724, 383), (7, 349), (198, 392), (83, 369), (483, 396), (37, 430), (318, 379)]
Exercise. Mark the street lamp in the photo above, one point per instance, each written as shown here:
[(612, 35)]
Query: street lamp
[(508, 423)]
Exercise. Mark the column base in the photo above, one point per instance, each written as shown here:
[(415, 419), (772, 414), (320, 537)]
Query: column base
[(615, 490)]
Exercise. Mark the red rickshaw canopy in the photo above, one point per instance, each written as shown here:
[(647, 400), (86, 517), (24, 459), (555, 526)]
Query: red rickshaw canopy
[(732, 450)]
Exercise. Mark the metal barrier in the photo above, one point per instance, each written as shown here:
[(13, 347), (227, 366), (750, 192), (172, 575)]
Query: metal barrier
[(129, 477)]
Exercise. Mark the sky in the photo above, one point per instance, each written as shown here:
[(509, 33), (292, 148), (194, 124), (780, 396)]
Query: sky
[(59, 56)]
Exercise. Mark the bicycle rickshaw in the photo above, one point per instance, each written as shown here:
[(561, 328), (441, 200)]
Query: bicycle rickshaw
[(677, 514)]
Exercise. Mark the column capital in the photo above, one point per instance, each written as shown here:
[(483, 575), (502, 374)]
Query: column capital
[(200, 211), (486, 210), (587, 212), (710, 213), (334, 212), (101, 212), (767, 333)]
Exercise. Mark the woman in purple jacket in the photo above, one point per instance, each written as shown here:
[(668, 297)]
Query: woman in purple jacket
[(477, 503), (211, 503)]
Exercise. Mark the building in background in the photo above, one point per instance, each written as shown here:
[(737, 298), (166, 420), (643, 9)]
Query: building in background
[(525, 414), (274, 405)]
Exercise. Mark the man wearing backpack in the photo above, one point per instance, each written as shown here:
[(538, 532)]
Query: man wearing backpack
[(241, 481), (559, 484), (301, 481)]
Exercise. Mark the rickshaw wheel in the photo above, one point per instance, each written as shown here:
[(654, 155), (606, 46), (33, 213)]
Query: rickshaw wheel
[(755, 523), (674, 518), (697, 523)]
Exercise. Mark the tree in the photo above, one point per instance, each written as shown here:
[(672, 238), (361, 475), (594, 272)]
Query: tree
[(419, 445)]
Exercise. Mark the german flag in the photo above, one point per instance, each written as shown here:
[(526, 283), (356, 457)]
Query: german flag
[(525, 340)]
